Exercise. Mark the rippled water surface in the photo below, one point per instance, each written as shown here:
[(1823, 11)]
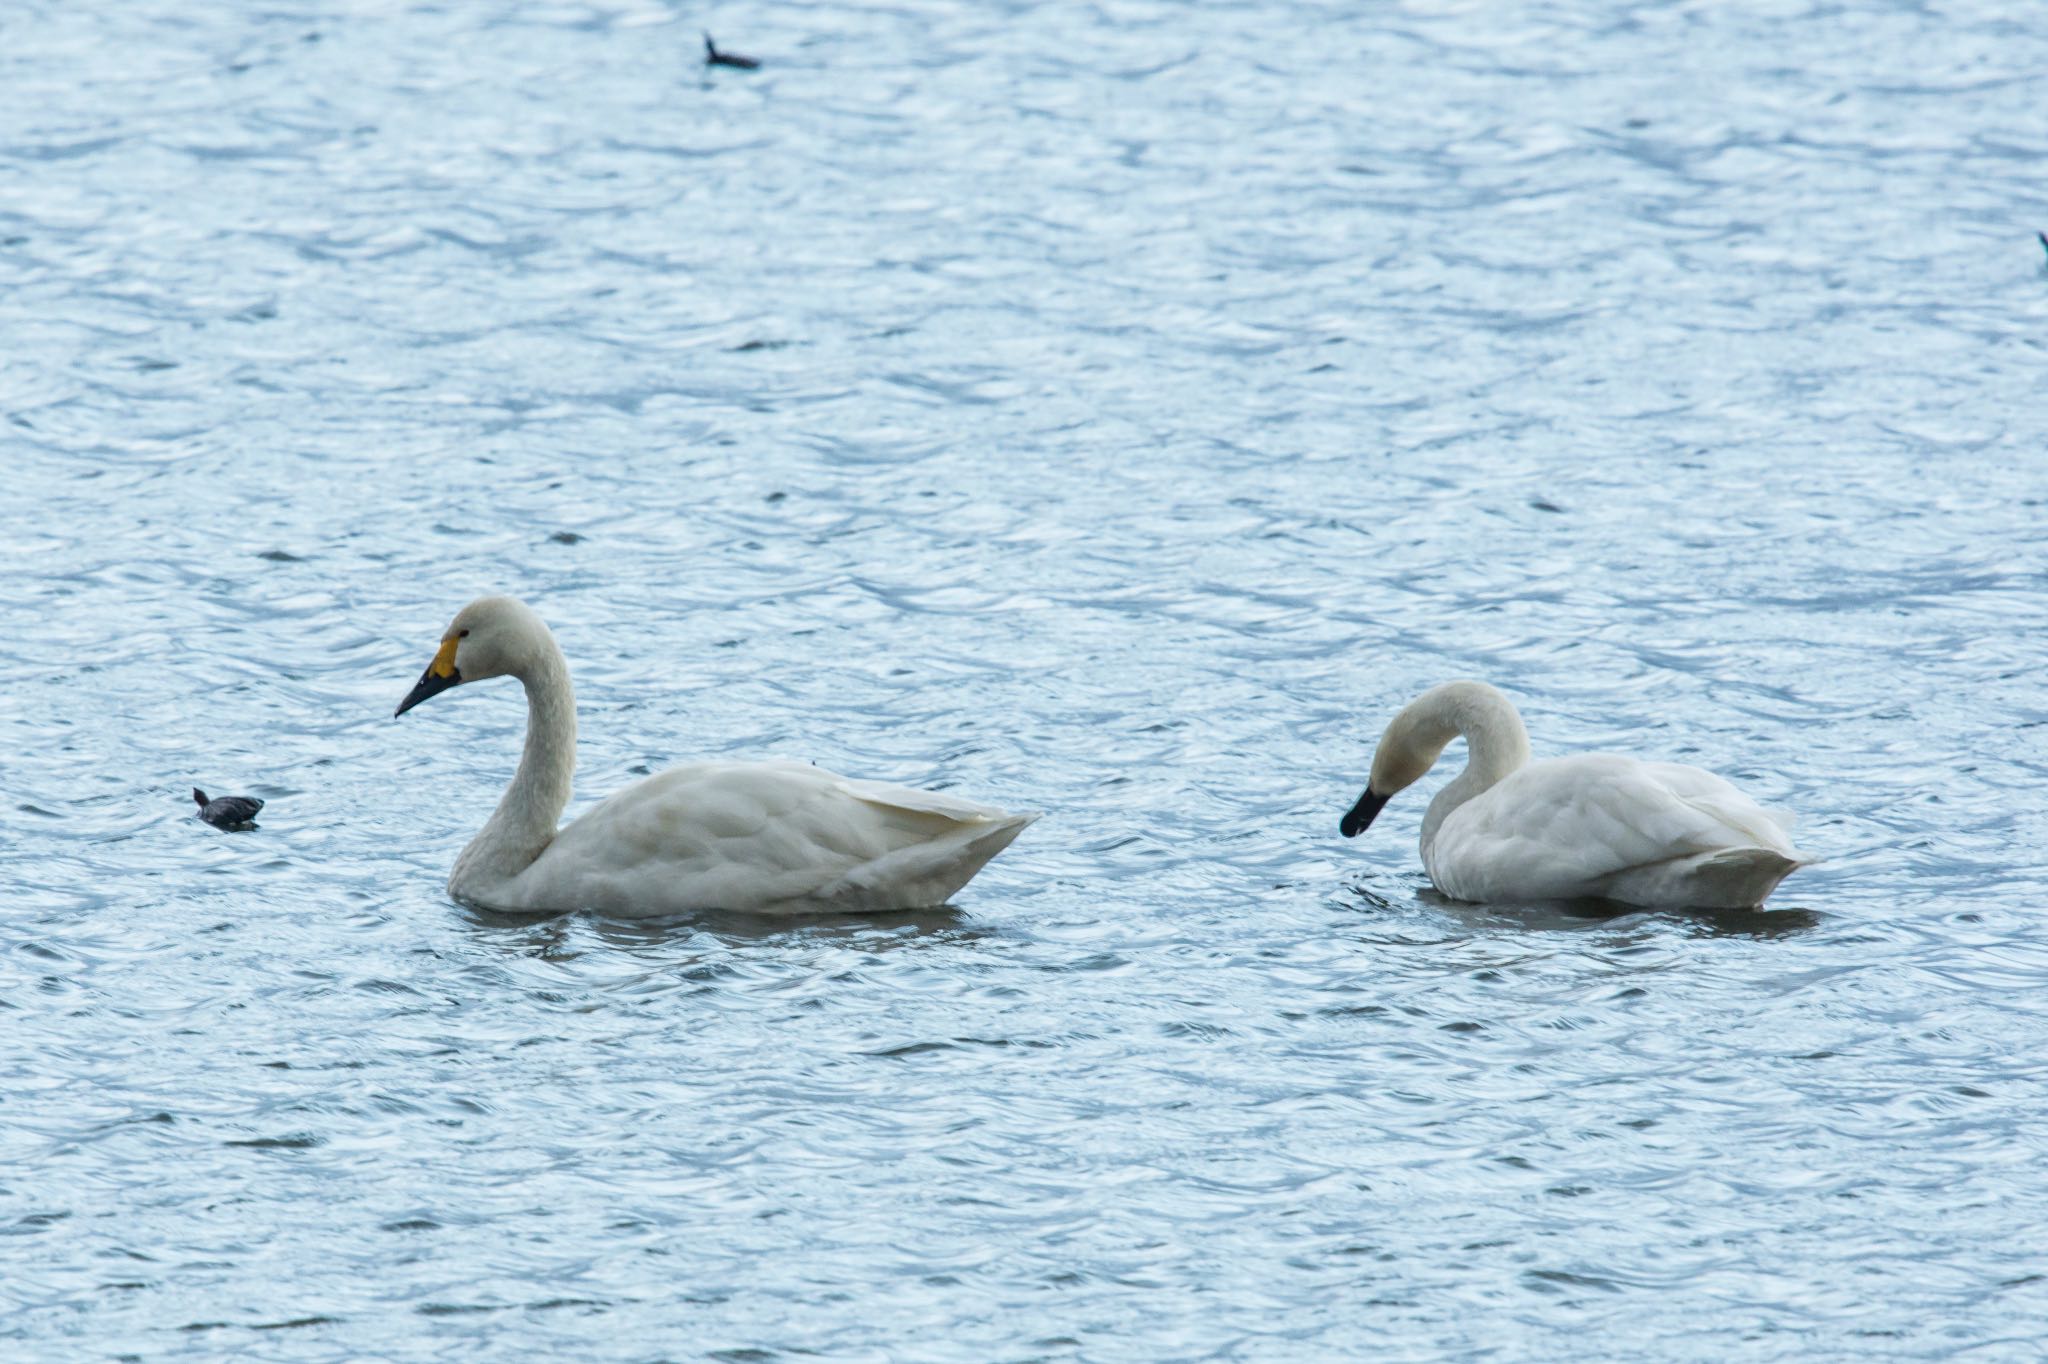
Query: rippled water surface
[(1109, 410)]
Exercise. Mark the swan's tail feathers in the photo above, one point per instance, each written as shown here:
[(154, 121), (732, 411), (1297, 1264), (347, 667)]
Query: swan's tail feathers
[(927, 874), (1741, 878), (1724, 878)]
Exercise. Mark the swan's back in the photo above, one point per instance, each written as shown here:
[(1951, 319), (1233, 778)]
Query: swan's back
[(1613, 827), (765, 837)]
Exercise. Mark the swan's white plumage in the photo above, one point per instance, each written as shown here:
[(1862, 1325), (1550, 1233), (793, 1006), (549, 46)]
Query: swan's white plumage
[(768, 837), (1609, 826), (762, 837), (1596, 825)]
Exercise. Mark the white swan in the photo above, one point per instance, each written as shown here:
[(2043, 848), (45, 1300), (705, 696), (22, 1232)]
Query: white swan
[(1596, 825), (769, 837)]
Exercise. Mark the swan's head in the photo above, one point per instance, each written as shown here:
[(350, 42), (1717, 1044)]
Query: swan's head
[(1392, 770), (490, 637), (1408, 749)]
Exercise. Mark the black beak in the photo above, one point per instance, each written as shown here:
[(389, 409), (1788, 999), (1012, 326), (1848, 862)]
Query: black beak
[(428, 685), (1354, 822)]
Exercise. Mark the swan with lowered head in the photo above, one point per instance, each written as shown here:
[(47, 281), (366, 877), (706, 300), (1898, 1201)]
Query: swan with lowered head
[(1592, 826), (765, 837)]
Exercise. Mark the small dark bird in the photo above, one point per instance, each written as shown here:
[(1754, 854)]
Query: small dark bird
[(713, 57), (229, 812)]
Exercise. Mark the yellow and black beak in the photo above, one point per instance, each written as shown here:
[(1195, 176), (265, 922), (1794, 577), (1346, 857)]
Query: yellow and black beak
[(440, 675)]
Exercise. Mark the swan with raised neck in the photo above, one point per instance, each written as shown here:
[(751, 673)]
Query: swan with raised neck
[(776, 837), (503, 637), (1589, 825)]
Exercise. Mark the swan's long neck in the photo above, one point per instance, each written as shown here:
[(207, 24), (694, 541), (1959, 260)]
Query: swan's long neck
[(524, 823), (1496, 744)]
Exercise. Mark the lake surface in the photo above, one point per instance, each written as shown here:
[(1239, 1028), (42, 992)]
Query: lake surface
[(1115, 411)]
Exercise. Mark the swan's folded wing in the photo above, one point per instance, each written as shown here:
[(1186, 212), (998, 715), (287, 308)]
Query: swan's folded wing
[(755, 836), (1563, 827), (943, 804), (700, 835), (1714, 797)]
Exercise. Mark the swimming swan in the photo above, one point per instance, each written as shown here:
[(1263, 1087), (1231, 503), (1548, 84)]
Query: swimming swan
[(767, 837), (1657, 834)]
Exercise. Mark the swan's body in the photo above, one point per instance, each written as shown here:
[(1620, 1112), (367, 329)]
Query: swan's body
[(1596, 825), (769, 837)]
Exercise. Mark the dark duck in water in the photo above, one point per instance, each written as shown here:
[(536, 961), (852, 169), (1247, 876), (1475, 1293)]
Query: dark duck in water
[(229, 812), (713, 57)]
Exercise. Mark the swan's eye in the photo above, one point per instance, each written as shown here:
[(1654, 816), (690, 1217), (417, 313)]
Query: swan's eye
[(462, 634)]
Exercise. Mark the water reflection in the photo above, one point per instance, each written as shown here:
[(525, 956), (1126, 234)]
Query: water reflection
[(557, 932), (1570, 916)]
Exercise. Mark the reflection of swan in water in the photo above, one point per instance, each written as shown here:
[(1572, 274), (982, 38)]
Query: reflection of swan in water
[(679, 943), (771, 837), (1584, 916), (1395, 910), (1585, 827)]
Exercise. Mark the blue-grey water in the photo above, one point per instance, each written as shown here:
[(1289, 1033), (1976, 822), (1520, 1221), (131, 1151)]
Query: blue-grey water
[(1110, 410)]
